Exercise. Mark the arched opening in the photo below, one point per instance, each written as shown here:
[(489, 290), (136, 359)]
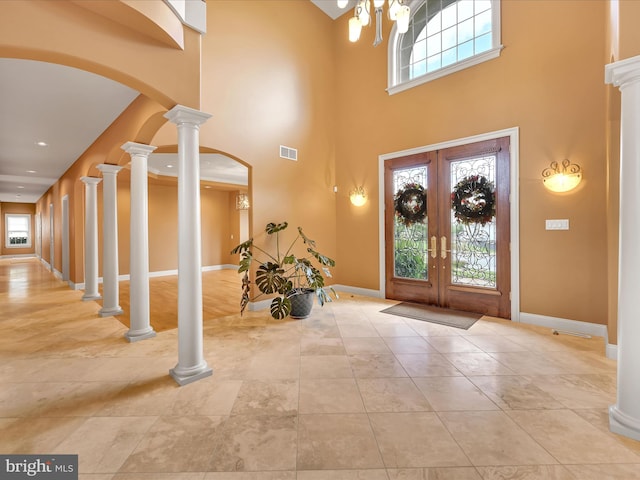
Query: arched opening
[(225, 222), (54, 92)]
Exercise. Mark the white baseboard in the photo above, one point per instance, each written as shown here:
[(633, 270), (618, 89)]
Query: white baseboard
[(168, 273), (19, 255), (212, 268), (612, 351), (594, 329), (261, 305), (365, 292), (161, 273)]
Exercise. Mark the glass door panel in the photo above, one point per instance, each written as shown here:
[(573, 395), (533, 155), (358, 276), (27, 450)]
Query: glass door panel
[(410, 246), (473, 237)]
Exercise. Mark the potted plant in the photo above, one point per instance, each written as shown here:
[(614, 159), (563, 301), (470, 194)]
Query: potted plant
[(293, 279)]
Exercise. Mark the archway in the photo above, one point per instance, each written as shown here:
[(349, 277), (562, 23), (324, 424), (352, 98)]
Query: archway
[(224, 223)]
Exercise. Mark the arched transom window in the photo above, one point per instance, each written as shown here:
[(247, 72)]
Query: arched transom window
[(444, 36)]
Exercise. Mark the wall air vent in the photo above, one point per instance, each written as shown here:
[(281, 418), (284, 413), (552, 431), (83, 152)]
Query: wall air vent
[(288, 153)]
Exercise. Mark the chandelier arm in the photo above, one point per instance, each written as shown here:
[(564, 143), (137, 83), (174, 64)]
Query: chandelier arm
[(378, 39)]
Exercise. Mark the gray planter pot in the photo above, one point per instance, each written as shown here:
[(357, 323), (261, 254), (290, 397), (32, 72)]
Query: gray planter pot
[(301, 304)]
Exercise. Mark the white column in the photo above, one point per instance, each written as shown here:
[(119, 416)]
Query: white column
[(91, 238), (191, 364), (110, 286), (139, 320), (624, 416)]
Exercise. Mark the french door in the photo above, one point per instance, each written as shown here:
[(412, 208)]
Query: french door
[(447, 228)]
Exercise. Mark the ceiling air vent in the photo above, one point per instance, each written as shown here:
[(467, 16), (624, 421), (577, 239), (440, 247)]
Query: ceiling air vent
[(288, 153)]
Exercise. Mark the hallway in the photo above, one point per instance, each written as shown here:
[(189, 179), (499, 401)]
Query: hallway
[(348, 394)]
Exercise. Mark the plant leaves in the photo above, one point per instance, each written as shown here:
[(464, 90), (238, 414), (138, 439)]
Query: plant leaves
[(289, 260), (245, 262), (315, 278), (280, 307), (243, 247), (306, 239), (269, 278), (246, 288), (323, 259), (272, 228)]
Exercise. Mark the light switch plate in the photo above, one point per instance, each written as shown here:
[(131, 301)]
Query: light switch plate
[(557, 224)]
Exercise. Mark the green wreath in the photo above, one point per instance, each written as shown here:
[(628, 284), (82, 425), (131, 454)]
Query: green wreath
[(411, 204), (473, 200)]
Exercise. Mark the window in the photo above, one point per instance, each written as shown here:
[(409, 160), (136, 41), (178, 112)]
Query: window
[(18, 231), (444, 36)]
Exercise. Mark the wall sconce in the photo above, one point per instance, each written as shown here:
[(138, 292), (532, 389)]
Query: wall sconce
[(242, 201), (358, 197), (563, 177)]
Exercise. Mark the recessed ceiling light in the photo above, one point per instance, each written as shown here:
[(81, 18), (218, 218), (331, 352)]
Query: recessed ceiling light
[(20, 186), (40, 143), (169, 166), (31, 171)]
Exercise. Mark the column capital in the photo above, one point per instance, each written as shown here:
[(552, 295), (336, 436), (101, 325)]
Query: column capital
[(91, 180), (181, 114), (133, 148), (109, 168), (623, 72)]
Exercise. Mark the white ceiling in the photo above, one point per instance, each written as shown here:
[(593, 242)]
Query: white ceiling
[(42, 102), (214, 167), (330, 7), (69, 109)]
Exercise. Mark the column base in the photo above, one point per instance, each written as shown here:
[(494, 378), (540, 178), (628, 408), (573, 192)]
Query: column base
[(623, 424), (91, 296), (183, 377), (110, 312), (134, 336)]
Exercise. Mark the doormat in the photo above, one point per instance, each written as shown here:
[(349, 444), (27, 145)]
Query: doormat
[(427, 313)]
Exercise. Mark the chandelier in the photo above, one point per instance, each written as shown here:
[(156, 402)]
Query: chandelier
[(242, 201), (398, 12)]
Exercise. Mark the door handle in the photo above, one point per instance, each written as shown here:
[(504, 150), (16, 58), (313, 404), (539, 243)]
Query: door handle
[(443, 247), (434, 247)]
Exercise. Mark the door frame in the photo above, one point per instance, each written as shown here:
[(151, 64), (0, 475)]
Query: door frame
[(514, 159)]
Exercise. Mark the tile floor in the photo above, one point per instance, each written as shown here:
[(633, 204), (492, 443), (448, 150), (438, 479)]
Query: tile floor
[(348, 394)]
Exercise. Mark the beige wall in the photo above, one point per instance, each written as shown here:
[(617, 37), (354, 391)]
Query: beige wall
[(612, 132), (549, 83), (629, 33), (217, 212), (22, 208), (268, 80)]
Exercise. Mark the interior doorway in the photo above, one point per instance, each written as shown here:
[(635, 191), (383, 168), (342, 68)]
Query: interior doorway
[(65, 238), (447, 227), (51, 239)]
